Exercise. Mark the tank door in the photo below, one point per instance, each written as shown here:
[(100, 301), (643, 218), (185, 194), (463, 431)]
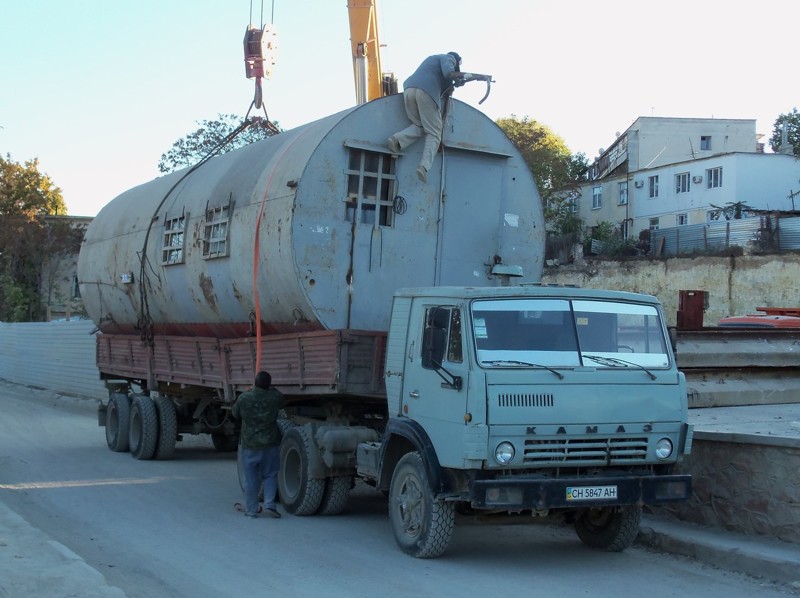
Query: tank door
[(470, 229)]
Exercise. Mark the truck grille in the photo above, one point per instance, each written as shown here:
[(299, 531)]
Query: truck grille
[(521, 399), (586, 451)]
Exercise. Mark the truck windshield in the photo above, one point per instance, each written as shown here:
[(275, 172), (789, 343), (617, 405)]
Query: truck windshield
[(568, 333)]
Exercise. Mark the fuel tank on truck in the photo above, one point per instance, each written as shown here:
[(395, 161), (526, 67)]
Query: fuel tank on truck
[(324, 219)]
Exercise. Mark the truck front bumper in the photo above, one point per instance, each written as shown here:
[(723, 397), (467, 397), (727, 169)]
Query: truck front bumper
[(578, 492)]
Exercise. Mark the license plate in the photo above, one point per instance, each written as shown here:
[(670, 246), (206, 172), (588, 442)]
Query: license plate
[(591, 493)]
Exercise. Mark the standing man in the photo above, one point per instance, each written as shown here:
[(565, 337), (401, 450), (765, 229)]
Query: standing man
[(424, 94), (260, 438)]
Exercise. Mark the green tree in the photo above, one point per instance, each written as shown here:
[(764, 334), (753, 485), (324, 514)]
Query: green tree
[(557, 172), (228, 132), (792, 121), (24, 191), (28, 239)]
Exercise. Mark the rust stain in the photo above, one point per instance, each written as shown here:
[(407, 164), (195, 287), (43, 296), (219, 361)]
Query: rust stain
[(207, 286)]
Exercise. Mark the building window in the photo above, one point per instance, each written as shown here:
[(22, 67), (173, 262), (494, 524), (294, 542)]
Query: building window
[(623, 193), (714, 177), (682, 183), (597, 198), (371, 185), (705, 142), (215, 232), (652, 183), (172, 248), (573, 203), (653, 224), (682, 219)]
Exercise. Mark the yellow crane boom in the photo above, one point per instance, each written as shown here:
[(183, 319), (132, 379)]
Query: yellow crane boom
[(371, 82)]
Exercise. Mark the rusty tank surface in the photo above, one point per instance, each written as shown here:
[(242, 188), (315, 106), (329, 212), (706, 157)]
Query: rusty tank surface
[(313, 229)]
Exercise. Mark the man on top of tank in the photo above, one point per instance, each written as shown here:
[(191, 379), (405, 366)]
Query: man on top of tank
[(425, 94)]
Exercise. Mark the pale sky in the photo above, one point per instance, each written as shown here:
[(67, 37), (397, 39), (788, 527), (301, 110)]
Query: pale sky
[(97, 90)]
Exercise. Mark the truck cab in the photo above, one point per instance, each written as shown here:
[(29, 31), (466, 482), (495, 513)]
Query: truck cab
[(551, 402)]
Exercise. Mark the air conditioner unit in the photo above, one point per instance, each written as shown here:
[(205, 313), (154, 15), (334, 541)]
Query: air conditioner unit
[(697, 179), (638, 184)]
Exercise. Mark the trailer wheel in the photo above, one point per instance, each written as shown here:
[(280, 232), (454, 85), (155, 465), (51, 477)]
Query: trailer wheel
[(300, 493), (167, 427), (612, 529), (144, 427), (118, 421), (337, 491), (422, 525)]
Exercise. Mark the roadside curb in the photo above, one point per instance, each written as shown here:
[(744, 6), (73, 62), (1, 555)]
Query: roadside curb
[(762, 558), (34, 565)]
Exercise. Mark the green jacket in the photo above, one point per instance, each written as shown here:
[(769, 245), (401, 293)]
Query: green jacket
[(258, 410)]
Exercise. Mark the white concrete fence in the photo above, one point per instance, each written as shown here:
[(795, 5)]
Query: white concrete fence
[(58, 356)]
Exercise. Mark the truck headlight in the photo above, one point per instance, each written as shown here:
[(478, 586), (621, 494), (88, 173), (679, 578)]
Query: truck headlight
[(504, 453), (664, 448)]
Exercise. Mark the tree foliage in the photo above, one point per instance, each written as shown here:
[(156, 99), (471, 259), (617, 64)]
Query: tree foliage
[(792, 121), (25, 191), (188, 151), (28, 239), (557, 172)]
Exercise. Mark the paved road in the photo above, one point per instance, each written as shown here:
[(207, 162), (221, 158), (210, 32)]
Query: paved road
[(167, 528)]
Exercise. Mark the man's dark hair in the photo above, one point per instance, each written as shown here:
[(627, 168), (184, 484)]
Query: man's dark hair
[(263, 379)]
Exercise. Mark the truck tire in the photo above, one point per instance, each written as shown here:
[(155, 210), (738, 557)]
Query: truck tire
[(167, 428), (612, 529), (300, 493), (422, 525), (118, 422), (144, 427), (337, 491)]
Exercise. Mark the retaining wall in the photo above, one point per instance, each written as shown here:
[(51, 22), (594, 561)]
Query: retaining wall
[(736, 285), (750, 486)]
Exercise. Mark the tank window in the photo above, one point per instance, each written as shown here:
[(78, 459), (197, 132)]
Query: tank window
[(371, 183), (172, 250), (215, 232)]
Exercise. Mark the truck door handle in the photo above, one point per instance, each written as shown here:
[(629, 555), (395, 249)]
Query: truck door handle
[(414, 394)]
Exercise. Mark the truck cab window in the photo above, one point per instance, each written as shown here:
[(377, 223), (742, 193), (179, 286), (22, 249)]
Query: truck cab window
[(441, 337)]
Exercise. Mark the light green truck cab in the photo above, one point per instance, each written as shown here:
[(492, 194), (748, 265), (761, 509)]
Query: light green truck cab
[(547, 402)]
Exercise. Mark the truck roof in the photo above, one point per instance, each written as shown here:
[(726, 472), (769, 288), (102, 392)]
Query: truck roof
[(525, 290)]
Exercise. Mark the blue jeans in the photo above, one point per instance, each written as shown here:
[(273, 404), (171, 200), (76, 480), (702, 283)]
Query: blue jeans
[(260, 466)]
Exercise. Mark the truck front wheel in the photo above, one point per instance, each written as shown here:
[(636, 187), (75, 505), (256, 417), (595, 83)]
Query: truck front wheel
[(612, 529), (300, 493), (422, 525)]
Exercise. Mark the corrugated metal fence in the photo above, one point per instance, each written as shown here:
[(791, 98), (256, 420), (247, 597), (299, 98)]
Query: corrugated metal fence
[(715, 236), (55, 355)]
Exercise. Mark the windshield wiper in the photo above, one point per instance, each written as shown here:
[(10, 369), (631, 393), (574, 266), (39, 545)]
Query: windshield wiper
[(523, 363), (620, 362)]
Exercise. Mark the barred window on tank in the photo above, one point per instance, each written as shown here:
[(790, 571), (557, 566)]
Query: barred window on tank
[(172, 248), (370, 185), (215, 232)]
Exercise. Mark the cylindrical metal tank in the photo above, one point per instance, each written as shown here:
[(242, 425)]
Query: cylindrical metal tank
[(325, 220)]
